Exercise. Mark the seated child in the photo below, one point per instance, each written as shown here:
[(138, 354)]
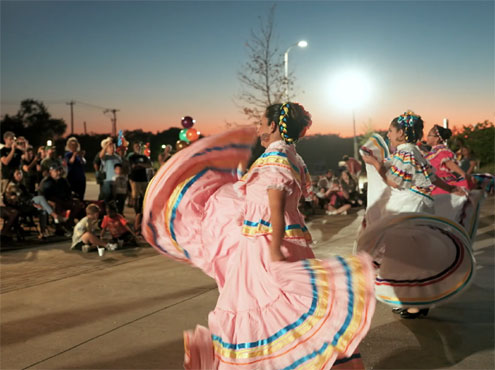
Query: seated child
[(84, 232), (117, 226)]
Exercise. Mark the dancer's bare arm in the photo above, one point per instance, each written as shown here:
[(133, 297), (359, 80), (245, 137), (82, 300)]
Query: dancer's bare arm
[(276, 200)]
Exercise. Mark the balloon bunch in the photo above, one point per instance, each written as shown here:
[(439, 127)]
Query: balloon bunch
[(188, 134), (147, 150), (121, 141)]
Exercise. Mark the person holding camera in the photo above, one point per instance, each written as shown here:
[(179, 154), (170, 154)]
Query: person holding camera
[(30, 165), (50, 160), (10, 156), (108, 161), (74, 158)]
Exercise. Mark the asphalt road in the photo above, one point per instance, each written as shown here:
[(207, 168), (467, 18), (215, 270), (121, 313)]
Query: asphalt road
[(62, 309)]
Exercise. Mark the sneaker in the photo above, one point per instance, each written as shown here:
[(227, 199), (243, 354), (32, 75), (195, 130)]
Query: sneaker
[(85, 248), (112, 246), (331, 213), (344, 213)]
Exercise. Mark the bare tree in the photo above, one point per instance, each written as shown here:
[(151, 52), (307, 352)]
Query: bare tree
[(262, 76)]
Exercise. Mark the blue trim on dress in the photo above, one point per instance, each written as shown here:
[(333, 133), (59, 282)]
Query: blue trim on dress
[(280, 154), (343, 328), (283, 331), (268, 224), (220, 148), (183, 192)]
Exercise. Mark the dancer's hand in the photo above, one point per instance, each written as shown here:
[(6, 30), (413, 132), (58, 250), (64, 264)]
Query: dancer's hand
[(368, 158), (276, 256), (457, 190)]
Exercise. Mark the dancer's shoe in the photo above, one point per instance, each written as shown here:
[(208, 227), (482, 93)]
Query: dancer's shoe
[(414, 315)]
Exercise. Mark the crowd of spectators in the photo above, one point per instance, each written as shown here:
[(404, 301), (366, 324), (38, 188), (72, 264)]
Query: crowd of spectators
[(46, 192), (336, 194)]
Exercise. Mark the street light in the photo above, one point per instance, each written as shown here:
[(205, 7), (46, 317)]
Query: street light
[(351, 88), (301, 44)]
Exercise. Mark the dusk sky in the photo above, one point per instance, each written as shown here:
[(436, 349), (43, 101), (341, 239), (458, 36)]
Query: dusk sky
[(160, 60)]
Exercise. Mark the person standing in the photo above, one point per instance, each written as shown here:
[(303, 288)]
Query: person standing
[(443, 160), (30, 164), (353, 166), (138, 177), (108, 160), (74, 158), (412, 250), (10, 156)]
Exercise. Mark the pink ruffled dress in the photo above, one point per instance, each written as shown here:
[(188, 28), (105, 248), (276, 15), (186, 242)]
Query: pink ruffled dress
[(438, 157), (305, 313)]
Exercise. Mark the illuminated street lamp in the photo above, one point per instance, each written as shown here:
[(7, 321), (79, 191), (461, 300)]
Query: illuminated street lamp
[(301, 44), (351, 88)]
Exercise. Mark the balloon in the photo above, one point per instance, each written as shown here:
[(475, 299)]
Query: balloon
[(179, 145), (187, 122), (183, 135), (147, 150), (192, 134)]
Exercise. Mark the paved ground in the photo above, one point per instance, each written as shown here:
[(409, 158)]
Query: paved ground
[(127, 310)]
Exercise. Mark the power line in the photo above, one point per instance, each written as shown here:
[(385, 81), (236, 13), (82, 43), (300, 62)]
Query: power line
[(91, 105)]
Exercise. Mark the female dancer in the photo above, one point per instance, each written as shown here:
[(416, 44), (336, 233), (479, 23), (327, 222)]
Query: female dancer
[(422, 260), (270, 313), (443, 159)]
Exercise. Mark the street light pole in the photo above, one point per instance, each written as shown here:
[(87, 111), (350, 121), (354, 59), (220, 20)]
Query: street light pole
[(355, 137), (301, 44), (286, 66)]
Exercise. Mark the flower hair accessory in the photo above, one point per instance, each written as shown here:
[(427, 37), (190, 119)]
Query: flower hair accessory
[(407, 121), (282, 123)]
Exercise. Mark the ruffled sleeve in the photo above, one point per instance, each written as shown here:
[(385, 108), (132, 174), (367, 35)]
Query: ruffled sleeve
[(273, 170), (273, 177), (408, 168), (446, 156), (401, 169)]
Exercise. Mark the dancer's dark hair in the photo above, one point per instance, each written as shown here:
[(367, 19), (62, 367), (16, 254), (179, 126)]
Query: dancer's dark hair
[(292, 119), (442, 133)]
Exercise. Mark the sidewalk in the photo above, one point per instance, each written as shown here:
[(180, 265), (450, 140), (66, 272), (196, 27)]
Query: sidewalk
[(127, 310)]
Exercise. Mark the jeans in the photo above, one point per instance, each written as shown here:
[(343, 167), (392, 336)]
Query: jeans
[(41, 201), (107, 191)]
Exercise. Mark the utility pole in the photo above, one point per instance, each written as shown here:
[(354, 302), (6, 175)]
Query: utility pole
[(71, 103), (85, 128), (114, 120)]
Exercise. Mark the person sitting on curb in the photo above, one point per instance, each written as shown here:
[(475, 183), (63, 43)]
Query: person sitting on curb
[(56, 189), (84, 236), (117, 226)]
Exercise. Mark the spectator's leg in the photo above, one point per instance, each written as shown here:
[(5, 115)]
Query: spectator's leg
[(107, 191), (41, 200), (43, 218), (133, 192), (343, 209), (10, 216), (120, 200), (92, 239), (82, 189), (137, 223)]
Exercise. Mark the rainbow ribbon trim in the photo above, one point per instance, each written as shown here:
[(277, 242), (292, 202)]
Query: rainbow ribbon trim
[(308, 323), (263, 227)]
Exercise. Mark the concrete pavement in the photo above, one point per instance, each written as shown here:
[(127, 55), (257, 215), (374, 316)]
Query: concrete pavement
[(127, 310)]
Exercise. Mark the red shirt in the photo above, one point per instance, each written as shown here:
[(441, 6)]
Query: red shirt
[(115, 225)]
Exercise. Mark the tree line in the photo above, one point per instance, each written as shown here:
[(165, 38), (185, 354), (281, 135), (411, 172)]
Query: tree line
[(320, 152)]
